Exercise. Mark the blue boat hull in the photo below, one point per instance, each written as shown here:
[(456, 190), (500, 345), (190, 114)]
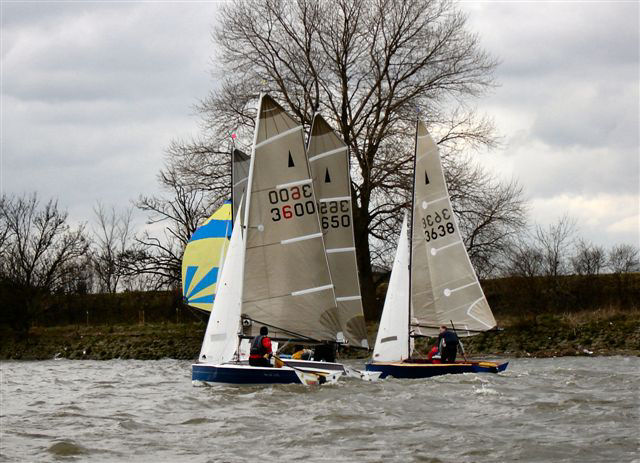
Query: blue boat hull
[(427, 370), (235, 374)]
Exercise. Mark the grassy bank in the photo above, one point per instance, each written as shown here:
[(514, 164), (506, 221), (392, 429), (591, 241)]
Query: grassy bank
[(601, 332), (144, 342)]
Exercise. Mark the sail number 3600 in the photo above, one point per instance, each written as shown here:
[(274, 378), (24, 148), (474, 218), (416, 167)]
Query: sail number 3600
[(288, 210), (437, 225)]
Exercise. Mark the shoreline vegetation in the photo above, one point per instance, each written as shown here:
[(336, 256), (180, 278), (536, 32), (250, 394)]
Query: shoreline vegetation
[(602, 332), (540, 317)]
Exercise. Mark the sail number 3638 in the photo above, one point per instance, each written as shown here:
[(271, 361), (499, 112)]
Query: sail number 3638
[(290, 210), (437, 225)]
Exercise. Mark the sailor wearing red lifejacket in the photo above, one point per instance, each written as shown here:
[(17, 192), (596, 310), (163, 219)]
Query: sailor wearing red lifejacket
[(261, 351)]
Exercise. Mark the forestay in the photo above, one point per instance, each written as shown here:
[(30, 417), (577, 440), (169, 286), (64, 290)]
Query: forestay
[(329, 163), (286, 279), (444, 286)]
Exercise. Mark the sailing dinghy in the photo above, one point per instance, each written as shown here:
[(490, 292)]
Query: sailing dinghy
[(432, 280), (276, 272)]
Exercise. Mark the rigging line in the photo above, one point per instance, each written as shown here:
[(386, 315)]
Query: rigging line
[(418, 325), (281, 329), (413, 199)]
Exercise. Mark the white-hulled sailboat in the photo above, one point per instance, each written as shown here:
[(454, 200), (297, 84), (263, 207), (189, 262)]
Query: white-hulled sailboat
[(276, 271), (432, 280)]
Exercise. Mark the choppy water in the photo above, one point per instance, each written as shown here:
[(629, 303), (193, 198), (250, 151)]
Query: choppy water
[(564, 409)]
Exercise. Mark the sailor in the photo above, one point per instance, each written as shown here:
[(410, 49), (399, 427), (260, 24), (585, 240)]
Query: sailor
[(434, 355), (300, 353), (448, 345), (260, 351)]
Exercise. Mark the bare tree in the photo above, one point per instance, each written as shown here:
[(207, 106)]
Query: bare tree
[(624, 258), (589, 259), (112, 239), (371, 67), (40, 249), (524, 259), (555, 242), (157, 255)]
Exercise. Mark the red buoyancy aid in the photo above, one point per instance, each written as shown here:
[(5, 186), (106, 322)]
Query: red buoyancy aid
[(434, 351), (260, 346)]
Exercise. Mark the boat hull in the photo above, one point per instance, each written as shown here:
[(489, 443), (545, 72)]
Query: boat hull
[(242, 374), (305, 364), (427, 370)]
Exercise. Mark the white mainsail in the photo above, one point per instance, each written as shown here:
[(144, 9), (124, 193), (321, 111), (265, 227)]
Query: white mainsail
[(287, 283), (392, 338), (220, 339), (329, 163), (444, 285)]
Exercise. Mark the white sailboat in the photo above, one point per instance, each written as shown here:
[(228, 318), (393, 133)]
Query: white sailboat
[(276, 271), (432, 282)]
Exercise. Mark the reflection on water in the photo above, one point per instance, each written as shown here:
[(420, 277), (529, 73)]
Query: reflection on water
[(565, 409)]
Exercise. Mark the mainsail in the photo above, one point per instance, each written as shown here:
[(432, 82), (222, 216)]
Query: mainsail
[(444, 286), (239, 173), (329, 163), (203, 259), (287, 283)]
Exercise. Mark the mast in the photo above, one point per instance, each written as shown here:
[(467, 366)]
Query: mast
[(245, 223), (413, 191), (233, 149)]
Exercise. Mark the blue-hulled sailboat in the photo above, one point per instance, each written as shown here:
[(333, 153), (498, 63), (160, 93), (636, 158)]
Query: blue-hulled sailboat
[(432, 281), (276, 271)]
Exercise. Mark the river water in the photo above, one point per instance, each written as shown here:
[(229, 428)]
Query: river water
[(539, 410)]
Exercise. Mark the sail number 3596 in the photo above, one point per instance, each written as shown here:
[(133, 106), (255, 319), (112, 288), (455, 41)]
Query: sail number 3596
[(437, 225)]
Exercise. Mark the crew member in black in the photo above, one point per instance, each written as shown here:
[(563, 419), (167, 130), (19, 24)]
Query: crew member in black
[(447, 345), (261, 352)]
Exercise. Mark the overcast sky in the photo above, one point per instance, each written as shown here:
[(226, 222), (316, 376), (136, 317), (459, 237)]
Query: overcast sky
[(93, 92)]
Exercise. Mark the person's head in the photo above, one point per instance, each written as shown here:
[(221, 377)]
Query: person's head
[(443, 328), (297, 347), (264, 331)]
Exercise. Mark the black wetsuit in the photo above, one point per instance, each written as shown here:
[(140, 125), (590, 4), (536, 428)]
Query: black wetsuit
[(448, 345)]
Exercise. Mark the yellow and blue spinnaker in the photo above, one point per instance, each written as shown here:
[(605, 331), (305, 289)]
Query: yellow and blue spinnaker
[(203, 259)]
